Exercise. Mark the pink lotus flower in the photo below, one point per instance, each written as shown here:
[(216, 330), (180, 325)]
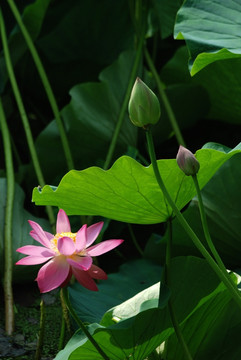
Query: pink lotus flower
[(68, 253)]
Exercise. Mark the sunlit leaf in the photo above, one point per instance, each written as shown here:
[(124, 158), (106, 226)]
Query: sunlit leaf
[(129, 191)]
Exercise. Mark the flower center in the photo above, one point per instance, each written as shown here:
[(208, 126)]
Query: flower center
[(54, 241)]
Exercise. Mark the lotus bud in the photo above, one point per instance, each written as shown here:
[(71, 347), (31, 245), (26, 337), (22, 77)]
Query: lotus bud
[(187, 161), (144, 106)]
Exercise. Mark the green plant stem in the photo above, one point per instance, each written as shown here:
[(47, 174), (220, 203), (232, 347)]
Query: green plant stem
[(81, 324), (165, 100), (141, 252), (23, 114), (172, 312), (205, 225), (233, 291), (62, 334), (206, 230), (65, 321), (46, 84), (39, 349), (8, 223), (125, 101)]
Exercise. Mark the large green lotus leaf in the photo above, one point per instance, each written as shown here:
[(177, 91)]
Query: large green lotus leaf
[(90, 119), (128, 191), (187, 112), (33, 17), (132, 278), (222, 81), (193, 284), (20, 232), (211, 30), (222, 204)]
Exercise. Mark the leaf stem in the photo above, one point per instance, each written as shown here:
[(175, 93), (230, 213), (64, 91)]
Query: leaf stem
[(23, 114), (172, 312), (7, 282), (206, 230), (165, 100), (81, 324), (139, 249), (126, 100), (233, 291), (39, 349), (46, 84)]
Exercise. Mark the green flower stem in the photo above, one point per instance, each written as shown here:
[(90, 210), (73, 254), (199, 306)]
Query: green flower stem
[(81, 324), (165, 99), (62, 334), (139, 249), (233, 292), (39, 349), (65, 321), (46, 84), (172, 312), (125, 101), (206, 230), (7, 282), (23, 114)]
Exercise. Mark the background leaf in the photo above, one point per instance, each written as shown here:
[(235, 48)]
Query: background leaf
[(165, 12), (206, 332), (210, 27), (20, 233), (33, 17), (222, 83), (90, 119)]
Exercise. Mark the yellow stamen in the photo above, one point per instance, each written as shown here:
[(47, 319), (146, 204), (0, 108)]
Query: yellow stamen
[(54, 241)]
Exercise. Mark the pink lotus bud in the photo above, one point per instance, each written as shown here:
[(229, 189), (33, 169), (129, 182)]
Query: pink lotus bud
[(187, 161)]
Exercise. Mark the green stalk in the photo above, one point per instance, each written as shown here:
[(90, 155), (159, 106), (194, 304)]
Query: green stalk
[(125, 101), (233, 291), (65, 321), (39, 349), (206, 230), (139, 249), (7, 282), (172, 312), (165, 100), (81, 324), (23, 114), (62, 334), (46, 84)]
